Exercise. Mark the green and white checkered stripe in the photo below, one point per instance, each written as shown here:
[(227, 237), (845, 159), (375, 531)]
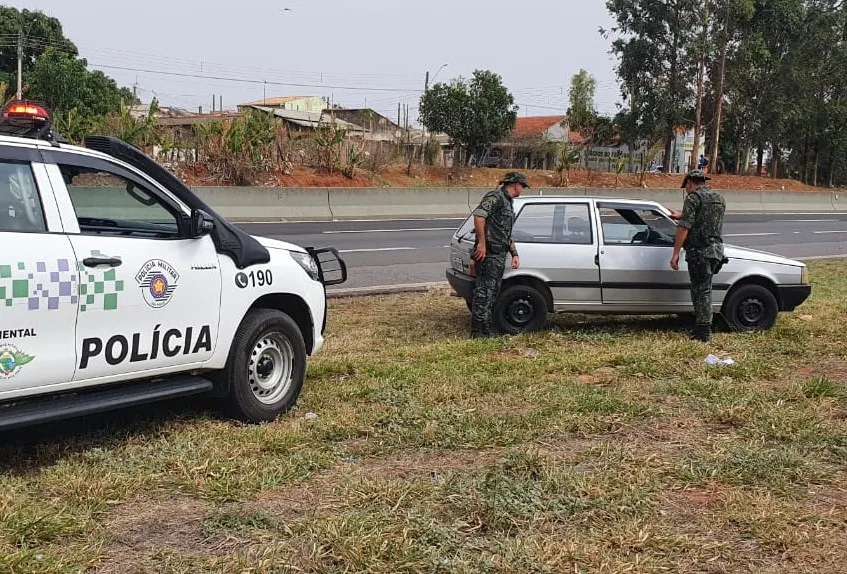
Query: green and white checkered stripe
[(98, 289)]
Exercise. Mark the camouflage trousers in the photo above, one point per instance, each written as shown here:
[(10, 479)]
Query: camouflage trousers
[(489, 277), (701, 269)]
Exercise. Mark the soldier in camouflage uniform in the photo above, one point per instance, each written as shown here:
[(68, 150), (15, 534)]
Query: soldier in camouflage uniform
[(700, 233), (493, 220)]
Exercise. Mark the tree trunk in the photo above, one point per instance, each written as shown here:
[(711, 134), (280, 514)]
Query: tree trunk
[(831, 168), (815, 168), (775, 162), (737, 161), (719, 99), (804, 161), (695, 151), (667, 161), (760, 158)]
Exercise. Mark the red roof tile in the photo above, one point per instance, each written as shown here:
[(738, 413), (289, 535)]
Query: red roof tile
[(534, 126)]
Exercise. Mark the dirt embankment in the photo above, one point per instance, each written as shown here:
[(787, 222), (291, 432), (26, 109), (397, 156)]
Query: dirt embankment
[(429, 176)]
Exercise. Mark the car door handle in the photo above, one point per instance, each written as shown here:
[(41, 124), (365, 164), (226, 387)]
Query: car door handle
[(95, 261)]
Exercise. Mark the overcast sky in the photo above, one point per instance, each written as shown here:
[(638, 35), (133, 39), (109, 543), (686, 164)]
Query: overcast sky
[(381, 48)]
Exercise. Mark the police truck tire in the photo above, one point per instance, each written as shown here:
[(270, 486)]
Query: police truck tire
[(266, 366), (519, 309), (750, 308)]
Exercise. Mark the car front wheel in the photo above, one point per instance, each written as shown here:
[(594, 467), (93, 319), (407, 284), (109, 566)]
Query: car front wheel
[(520, 309), (751, 308), (266, 366)]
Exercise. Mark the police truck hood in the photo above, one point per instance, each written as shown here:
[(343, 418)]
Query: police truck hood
[(277, 244)]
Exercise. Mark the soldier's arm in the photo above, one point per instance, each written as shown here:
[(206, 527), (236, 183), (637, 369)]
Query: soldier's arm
[(686, 221), (481, 213)]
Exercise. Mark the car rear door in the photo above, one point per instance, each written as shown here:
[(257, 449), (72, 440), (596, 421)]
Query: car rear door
[(556, 242), (635, 253), (38, 279), (149, 294)]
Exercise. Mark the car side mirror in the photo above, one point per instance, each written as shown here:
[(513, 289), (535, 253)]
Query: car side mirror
[(201, 223)]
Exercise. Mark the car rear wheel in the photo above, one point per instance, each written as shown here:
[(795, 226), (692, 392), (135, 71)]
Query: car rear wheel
[(751, 308), (520, 309), (266, 366)]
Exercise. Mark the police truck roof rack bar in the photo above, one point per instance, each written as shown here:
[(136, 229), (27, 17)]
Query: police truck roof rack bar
[(29, 120)]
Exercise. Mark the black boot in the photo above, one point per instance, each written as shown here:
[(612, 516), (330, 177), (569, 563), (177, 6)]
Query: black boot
[(702, 333)]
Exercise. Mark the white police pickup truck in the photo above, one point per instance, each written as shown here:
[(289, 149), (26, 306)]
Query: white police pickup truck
[(119, 286)]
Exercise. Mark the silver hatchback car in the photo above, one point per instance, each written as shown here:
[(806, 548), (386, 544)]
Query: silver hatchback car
[(611, 256)]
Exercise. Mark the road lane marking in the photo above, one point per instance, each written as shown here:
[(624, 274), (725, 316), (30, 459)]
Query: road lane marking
[(389, 230), (372, 249), (841, 231), (805, 220), (748, 234)]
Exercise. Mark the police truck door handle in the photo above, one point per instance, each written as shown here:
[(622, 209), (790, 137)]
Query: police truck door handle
[(95, 261)]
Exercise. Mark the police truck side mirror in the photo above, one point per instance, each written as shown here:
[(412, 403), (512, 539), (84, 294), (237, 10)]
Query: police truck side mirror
[(201, 223)]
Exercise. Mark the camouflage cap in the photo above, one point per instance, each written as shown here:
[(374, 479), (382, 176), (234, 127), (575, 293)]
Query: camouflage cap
[(514, 177), (696, 175)]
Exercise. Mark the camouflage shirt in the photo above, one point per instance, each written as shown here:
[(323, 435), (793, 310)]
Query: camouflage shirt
[(702, 216), (496, 208)]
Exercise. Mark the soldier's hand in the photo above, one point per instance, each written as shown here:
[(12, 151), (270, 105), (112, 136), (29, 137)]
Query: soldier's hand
[(676, 215), (516, 262), (479, 254), (675, 262)]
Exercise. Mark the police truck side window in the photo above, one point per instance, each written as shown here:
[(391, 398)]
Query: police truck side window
[(110, 204), (20, 204)]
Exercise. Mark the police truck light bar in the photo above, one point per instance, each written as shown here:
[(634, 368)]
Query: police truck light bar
[(26, 110)]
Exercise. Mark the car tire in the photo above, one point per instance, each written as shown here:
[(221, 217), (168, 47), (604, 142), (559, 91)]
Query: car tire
[(520, 309), (750, 308), (266, 366)]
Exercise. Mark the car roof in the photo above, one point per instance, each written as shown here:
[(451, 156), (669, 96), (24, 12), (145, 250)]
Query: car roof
[(583, 198)]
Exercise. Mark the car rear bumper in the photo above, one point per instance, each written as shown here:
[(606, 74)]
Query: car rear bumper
[(462, 284), (792, 296)]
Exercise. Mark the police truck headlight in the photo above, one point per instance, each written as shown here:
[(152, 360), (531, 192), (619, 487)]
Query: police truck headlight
[(308, 264)]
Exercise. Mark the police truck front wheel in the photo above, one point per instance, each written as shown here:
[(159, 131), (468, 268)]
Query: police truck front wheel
[(266, 366)]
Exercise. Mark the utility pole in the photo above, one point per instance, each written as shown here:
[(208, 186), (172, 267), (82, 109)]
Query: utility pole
[(213, 103), (20, 62)]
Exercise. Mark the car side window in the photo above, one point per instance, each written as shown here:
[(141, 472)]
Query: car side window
[(111, 204), (636, 227), (20, 203), (534, 224), (559, 223), (620, 226), (573, 224)]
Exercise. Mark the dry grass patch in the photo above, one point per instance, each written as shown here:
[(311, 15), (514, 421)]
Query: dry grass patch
[(601, 444)]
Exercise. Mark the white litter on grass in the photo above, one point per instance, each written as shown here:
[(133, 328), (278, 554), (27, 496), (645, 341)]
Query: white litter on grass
[(713, 360), (311, 416)]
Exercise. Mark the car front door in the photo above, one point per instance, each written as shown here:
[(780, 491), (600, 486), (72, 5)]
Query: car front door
[(149, 294), (556, 239), (635, 253), (38, 280)]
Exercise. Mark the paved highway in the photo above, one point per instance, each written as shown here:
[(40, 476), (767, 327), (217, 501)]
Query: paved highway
[(399, 252)]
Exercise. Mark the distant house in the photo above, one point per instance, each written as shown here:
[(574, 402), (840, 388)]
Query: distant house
[(527, 146), (376, 126), (290, 103), (298, 122)]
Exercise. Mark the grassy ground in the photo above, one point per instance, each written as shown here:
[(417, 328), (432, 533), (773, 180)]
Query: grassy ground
[(600, 445)]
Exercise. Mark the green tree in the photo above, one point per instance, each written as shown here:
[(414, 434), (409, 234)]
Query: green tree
[(473, 114), (581, 112), (53, 73), (39, 32), (655, 46)]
